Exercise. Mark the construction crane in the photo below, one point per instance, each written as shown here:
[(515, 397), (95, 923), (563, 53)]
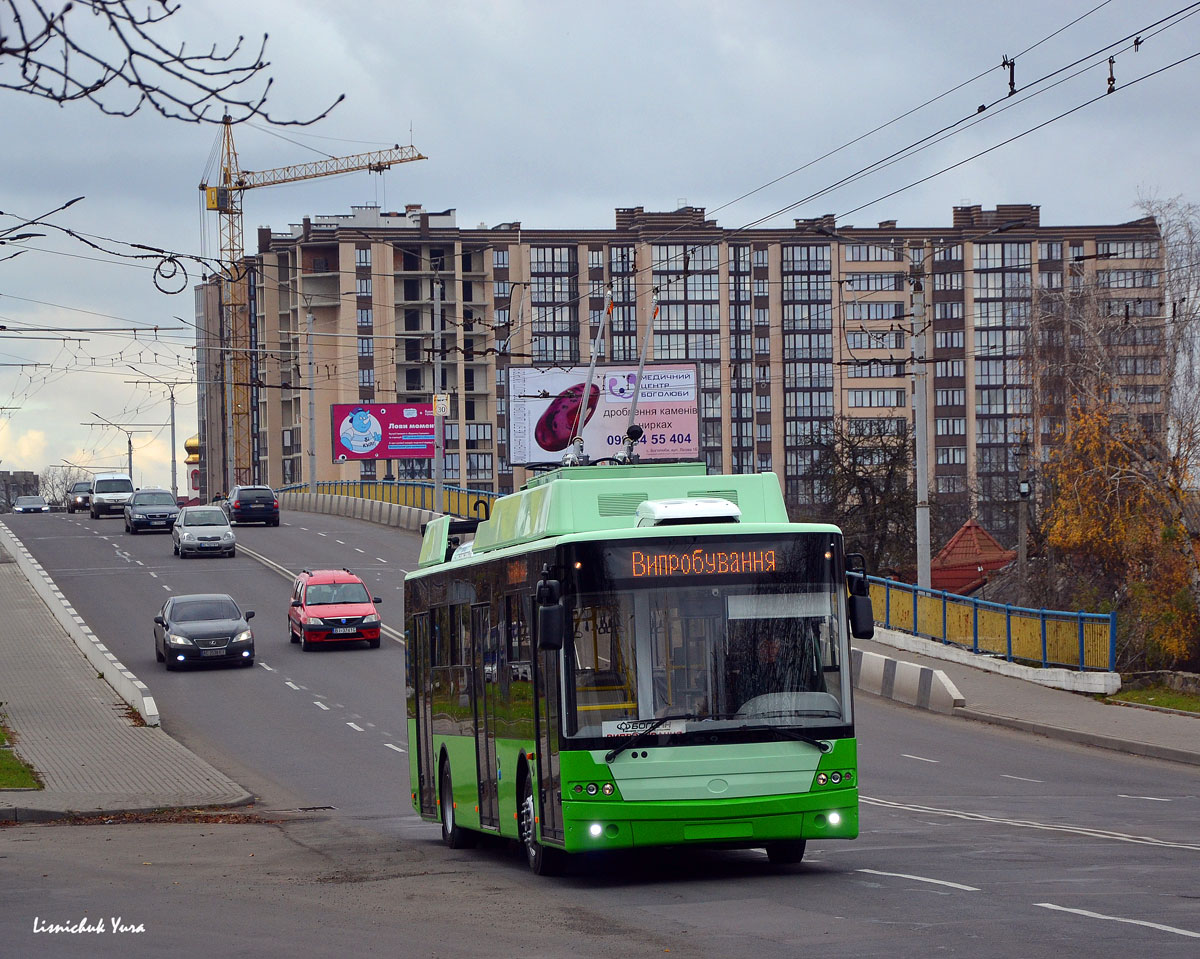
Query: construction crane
[(225, 198)]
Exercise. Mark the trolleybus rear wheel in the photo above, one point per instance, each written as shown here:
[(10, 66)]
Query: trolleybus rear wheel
[(453, 835)]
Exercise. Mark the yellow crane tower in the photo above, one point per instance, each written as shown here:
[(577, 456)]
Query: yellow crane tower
[(225, 198)]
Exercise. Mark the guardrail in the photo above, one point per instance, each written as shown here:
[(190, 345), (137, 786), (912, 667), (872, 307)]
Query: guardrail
[(456, 500), (1076, 640)]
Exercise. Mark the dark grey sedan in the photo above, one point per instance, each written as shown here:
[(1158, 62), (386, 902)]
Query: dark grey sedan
[(150, 509), (203, 628)]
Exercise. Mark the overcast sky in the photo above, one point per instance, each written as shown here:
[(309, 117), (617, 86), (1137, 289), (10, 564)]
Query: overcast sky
[(555, 114)]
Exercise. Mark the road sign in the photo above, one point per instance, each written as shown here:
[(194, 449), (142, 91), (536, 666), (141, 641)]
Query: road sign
[(441, 404)]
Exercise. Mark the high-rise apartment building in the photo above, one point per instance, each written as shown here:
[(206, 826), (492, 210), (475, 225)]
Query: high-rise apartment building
[(794, 331)]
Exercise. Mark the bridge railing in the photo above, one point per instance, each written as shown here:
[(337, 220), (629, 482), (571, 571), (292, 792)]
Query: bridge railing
[(456, 500), (1076, 640)]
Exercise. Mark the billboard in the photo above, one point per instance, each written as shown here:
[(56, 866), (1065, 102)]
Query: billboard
[(381, 431), (544, 408)]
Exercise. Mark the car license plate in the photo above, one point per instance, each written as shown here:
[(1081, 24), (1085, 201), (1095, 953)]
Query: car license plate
[(158, 522), (342, 630), (212, 652)]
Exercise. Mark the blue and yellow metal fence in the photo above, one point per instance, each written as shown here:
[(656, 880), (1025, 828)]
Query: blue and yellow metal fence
[(1049, 637), (457, 501)]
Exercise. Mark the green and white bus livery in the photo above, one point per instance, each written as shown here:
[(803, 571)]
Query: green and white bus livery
[(635, 655)]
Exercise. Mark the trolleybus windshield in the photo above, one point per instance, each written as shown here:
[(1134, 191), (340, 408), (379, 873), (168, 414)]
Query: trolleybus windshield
[(721, 636)]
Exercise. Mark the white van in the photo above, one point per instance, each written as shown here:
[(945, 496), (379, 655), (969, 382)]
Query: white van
[(110, 492)]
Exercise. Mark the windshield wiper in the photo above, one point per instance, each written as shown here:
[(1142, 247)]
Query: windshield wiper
[(821, 744), (638, 738)]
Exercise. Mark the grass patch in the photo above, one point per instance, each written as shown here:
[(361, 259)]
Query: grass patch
[(1162, 696)]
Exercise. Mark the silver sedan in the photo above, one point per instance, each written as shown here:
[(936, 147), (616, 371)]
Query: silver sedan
[(201, 530)]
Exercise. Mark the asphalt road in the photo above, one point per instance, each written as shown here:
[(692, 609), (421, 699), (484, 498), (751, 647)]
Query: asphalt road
[(975, 840)]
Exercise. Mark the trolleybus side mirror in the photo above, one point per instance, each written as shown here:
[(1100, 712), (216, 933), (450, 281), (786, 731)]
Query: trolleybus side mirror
[(552, 623), (551, 614), (858, 603)]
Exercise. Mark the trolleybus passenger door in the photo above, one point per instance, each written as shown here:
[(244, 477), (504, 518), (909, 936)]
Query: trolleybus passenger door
[(548, 709), (485, 652), (422, 681)]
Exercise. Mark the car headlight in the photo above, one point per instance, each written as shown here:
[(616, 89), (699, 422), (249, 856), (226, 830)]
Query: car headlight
[(313, 621), (244, 636), (187, 537), (372, 620), (176, 640), (227, 537)]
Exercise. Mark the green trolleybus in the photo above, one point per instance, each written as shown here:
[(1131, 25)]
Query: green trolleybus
[(635, 655)]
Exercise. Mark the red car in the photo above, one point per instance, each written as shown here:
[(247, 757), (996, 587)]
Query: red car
[(332, 606)]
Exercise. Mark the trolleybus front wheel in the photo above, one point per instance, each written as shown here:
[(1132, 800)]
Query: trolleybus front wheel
[(542, 860), (785, 852)]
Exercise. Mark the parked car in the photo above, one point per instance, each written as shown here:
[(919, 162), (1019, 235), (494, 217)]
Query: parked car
[(201, 530), (30, 504), (332, 606), (150, 509), (79, 496), (203, 628), (252, 504), (110, 493)]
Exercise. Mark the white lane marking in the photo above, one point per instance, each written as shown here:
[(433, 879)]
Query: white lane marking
[(288, 682), (304, 528), (140, 563), (355, 727), (155, 575), (340, 542), (322, 534), (397, 748), (1132, 922), (1147, 798), (937, 882), (381, 559), (1029, 824), (321, 706), (1021, 778), (357, 550), (166, 587), (266, 667), (920, 758)]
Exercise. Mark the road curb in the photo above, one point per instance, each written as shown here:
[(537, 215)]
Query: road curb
[(131, 689), (1148, 750)]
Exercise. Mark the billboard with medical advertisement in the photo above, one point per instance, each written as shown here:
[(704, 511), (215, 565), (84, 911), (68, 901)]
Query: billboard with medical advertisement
[(381, 431), (544, 410)]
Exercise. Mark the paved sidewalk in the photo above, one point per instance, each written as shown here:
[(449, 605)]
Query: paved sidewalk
[(76, 732), (1019, 704)]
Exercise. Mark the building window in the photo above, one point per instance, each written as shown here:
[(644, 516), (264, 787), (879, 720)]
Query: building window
[(499, 259), (366, 378), (949, 368), (889, 340), (450, 469), (760, 257), (948, 339), (951, 484), (761, 288), (479, 466), (951, 455), (950, 397), (366, 346), (950, 426), (501, 289), (363, 286), (366, 317), (947, 281), (869, 252), (1128, 249), (876, 398), (595, 259), (1050, 250), (362, 256)]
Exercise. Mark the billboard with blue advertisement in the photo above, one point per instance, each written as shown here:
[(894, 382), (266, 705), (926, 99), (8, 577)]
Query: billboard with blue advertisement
[(381, 431)]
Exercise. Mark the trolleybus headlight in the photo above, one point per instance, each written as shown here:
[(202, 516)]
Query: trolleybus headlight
[(835, 818), (835, 778), (822, 779), (595, 829), (592, 789), (608, 789), (578, 788)]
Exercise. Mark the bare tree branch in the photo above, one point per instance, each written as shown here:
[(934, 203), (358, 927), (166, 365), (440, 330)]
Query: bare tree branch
[(47, 52)]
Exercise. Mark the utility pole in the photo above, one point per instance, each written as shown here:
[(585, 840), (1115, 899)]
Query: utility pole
[(438, 418), (1023, 491), (312, 402), (171, 392), (921, 429)]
